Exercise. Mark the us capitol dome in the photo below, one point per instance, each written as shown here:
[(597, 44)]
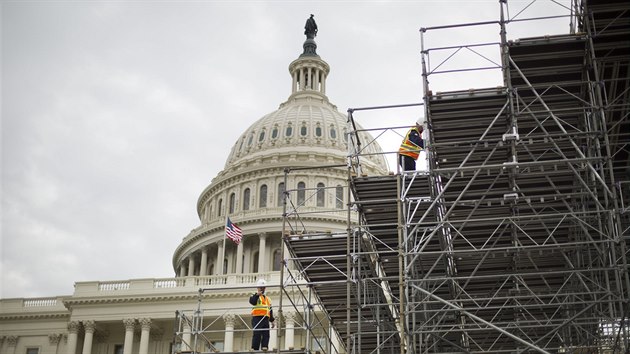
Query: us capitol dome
[(305, 131)]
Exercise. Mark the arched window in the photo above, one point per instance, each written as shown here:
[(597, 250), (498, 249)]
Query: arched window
[(262, 196), (289, 130), (321, 194), (246, 195), (318, 131), (211, 272), (240, 148), (219, 207), (232, 202), (274, 132), (301, 193), (339, 197), (280, 193), (255, 262), (251, 138), (333, 132), (303, 130), (277, 262), (261, 136)]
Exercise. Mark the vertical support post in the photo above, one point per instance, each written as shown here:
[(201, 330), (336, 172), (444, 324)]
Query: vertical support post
[(285, 235)]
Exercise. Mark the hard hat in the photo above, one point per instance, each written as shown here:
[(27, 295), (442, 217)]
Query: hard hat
[(261, 283)]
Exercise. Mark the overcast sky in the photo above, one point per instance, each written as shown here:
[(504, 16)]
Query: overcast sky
[(117, 114)]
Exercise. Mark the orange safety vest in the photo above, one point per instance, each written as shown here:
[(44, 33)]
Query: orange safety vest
[(408, 147), (262, 307)]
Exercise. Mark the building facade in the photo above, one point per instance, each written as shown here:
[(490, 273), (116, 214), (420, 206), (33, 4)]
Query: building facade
[(150, 315)]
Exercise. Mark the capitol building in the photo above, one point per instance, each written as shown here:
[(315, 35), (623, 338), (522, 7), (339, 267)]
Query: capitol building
[(204, 307)]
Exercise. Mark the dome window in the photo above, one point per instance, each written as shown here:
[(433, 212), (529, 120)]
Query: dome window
[(339, 197), (321, 194), (246, 196), (240, 148), (274, 133), (333, 132), (261, 136), (251, 138), (262, 202), (301, 193), (280, 193), (219, 207), (289, 130), (232, 202), (277, 261), (318, 131), (303, 129)]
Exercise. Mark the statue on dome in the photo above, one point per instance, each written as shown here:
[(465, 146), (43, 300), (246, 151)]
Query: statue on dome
[(310, 29)]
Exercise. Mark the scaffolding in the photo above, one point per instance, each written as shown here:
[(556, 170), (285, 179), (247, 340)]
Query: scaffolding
[(207, 329), (515, 239)]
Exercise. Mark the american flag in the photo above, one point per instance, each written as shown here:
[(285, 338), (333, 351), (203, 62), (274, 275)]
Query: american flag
[(233, 232)]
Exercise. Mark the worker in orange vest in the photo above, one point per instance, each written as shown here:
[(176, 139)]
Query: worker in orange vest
[(262, 317), (411, 147)]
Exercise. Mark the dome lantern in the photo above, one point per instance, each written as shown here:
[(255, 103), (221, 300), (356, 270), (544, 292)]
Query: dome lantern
[(309, 71)]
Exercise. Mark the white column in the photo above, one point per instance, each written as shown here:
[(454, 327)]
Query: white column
[(182, 270), (302, 83), (316, 80), (334, 345), (218, 266), (186, 338), (73, 330), (294, 86), (191, 265), (262, 252), (289, 319), (145, 323), (273, 338), (130, 326), (88, 326), (203, 268), (239, 257), (228, 345)]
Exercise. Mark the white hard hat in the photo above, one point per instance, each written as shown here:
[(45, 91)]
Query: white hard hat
[(261, 283)]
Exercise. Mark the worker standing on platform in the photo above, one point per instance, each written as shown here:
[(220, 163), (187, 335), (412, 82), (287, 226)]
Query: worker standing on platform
[(262, 317), (411, 147)]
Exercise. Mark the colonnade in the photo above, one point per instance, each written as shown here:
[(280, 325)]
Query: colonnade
[(309, 75), (89, 328), (230, 321), (198, 262)]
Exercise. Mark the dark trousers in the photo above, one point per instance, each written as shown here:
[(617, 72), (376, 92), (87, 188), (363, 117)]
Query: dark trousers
[(407, 163), (260, 339)]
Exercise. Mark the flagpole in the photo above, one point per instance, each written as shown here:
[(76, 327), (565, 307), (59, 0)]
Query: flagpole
[(224, 237)]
